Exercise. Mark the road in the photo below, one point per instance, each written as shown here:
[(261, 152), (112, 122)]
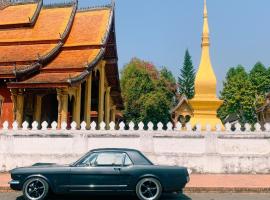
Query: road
[(188, 196)]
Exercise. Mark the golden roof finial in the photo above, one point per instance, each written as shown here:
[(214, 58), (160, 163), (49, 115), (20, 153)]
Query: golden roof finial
[(205, 35)]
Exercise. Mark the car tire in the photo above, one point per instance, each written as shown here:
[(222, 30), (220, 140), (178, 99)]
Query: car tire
[(35, 189), (148, 189)]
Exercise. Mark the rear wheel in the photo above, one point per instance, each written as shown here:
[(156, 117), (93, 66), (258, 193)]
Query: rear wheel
[(148, 189), (35, 189)]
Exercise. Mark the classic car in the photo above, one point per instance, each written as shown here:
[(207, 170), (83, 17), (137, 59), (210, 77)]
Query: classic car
[(98, 171)]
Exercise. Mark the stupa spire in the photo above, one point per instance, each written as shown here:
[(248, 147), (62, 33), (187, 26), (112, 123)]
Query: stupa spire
[(205, 102), (205, 82)]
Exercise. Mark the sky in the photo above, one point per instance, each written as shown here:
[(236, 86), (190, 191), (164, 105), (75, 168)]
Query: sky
[(160, 31)]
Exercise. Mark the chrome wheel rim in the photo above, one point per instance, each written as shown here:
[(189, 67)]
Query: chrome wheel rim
[(149, 189), (35, 189)]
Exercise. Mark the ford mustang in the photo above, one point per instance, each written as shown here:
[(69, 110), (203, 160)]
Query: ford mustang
[(98, 171)]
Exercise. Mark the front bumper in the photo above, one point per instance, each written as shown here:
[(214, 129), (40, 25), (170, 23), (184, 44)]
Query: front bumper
[(15, 185)]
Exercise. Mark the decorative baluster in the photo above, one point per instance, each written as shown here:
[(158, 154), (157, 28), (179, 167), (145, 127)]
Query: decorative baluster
[(73, 126), (228, 127), (169, 126), (54, 125), (122, 126), (102, 126), (112, 126), (93, 126), (178, 126), (34, 126), (160, 126), (5, 125), (44, 126), (15, 125), (25, 125), (141, 126), (131, 126), (83, 126), (257, 127), (150, 126)]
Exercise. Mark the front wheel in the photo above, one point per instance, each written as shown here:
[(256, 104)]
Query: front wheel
[(148, 189), (35, 189)]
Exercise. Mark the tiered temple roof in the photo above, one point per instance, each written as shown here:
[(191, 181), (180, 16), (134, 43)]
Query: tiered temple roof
[(56, 45)]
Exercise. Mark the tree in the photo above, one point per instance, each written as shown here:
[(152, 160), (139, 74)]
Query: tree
[(260, 79), (239, 96), (168, 83), (187, 77), (147, 92)]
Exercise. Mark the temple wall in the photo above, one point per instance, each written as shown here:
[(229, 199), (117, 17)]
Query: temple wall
[(204, 152), (7, 106)]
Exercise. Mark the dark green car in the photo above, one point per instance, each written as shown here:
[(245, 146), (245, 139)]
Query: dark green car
[(101, 170)]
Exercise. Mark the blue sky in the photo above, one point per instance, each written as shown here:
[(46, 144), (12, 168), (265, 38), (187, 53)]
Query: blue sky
[(159, 31)]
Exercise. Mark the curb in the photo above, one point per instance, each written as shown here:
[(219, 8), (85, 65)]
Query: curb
[(5, 189), (224, 189)]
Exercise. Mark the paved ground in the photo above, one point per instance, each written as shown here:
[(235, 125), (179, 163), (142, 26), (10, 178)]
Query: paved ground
[(187, 196), (206, 182)]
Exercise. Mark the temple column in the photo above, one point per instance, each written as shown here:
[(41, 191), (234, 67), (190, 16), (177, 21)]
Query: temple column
[(19, 108), (37, 112), (77, 106), (87, 101), (113, 113), (101, 92), (62, 97), (107, 106), (14, 94)]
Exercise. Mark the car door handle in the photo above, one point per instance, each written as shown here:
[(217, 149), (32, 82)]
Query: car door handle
[(117, 168)]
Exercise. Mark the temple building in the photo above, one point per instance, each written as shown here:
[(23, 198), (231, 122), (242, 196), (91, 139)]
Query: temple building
[(263, 112), (58, 63), (203, 107)]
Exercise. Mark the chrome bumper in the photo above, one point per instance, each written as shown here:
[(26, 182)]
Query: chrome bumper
[(14, 182)]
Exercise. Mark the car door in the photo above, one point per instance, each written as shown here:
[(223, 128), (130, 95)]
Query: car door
[(101, 171)]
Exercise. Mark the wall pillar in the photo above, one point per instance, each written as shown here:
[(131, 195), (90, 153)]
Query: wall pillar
[(87, 101), (77, 106), (101, 92), (20, 106), (107, 106), (37, 112)]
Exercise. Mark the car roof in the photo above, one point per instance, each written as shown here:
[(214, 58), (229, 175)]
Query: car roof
[(115, 149)]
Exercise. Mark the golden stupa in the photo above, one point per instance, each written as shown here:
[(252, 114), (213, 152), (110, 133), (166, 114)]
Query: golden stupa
[(205, 102)]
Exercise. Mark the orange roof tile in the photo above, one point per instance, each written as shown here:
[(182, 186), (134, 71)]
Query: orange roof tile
[(89, 27), (24, 52), (17, 14), (50, 23), (73, 59)]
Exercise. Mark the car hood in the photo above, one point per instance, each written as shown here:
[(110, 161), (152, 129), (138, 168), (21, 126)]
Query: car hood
[(38, 166)]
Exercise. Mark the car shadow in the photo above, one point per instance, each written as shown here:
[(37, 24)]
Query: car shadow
[(111, 197)]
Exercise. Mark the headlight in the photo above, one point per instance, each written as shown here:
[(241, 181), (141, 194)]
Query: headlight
[(189, 171), (188, 179)]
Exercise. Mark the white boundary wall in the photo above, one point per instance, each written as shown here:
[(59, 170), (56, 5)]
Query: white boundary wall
[(203, 152)]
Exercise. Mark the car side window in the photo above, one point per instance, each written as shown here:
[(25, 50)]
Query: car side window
[(127, 161), (110, 159)]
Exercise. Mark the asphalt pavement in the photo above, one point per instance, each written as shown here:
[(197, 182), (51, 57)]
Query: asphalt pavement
[(187, 196)]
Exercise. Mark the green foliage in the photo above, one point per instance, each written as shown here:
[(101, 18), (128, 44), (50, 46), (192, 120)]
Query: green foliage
[(187, 77), (148, 93), (243, 92)]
